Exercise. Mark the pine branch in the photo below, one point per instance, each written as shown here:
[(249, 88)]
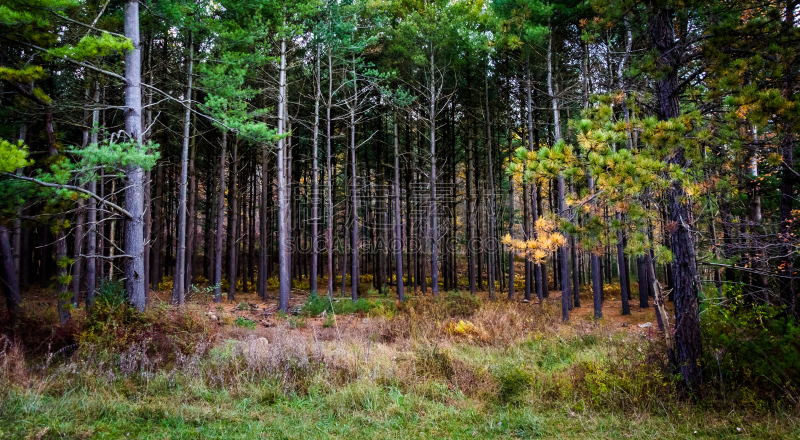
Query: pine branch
[(72, 188)]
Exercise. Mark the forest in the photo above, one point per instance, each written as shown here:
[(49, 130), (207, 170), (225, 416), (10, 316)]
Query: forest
[(503, 219)]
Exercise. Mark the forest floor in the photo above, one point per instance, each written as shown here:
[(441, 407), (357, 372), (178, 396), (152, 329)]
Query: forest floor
[(428, 369)]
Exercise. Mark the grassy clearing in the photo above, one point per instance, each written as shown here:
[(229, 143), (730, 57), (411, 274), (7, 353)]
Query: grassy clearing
[(426, 369)]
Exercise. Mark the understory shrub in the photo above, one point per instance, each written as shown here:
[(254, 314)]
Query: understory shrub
[(316, 304), (752, 349)]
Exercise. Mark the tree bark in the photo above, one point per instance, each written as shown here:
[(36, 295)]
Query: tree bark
[(77, 250), (398, 225), (328, 177), (688, 342), (178, 289), (788, 297), (220, 221), (233, 223), (9, 280), (283, 203), (315, 190), (434, 202), (354, 276), (134, 190), (492, 204)]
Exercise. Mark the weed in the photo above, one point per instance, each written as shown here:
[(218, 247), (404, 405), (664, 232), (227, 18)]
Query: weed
[(513, 382), (246, 323), (297, 322)]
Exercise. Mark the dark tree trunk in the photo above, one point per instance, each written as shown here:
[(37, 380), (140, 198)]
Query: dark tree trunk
[(398, 225), (233, 222), (788, 297), (8, 279), (688, 342), (621, 269), (77, 250), (220, 222), (641, 271), (564, 255)]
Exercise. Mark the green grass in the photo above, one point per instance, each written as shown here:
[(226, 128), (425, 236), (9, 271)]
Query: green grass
[(246, 323), (316, 304), (547, 380), (360, 410)]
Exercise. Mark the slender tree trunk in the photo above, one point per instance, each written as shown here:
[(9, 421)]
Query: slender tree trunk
[(315, 202), (190, 256), (575, 281), (562, 205), (434, 202), (398, 225), (220, 222), (178, 290), (9, 283), (233, 223), (16, 237), (77, 250), (492, 205), (328, 177), (564, 254), (597, 282), (354, 195), (91, 235), (532, 270), (511, 225), (625, 288), (264, 227), (471, 218), (788, 297), (283, 202), (641, 270)]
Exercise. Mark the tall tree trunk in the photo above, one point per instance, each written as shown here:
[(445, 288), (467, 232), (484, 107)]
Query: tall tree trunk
[(91, 235), (471, 217), (283, 202), (328, 176), (148, 211), (562, 205), (434, 202), (158, 237), (597, 282), (788, 297), (134, 190), (398, 225), (178, 289), (220, 222), (492, 205), (527, 196), (563, 254), (688, 342), (315, 196), (354, 276), (16, 233), (190, 256), (264, 227), (511, 224), (233, 223)]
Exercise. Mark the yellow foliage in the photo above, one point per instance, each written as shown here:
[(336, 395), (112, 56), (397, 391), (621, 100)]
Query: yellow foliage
[(462, 328)]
